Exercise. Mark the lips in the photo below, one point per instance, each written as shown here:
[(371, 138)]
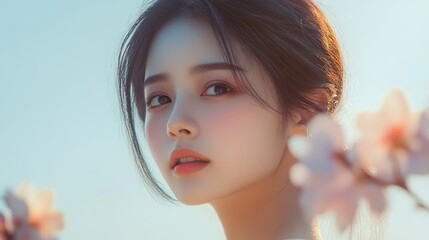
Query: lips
[(185, 154)]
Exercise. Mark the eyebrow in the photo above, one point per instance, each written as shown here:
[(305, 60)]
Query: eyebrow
[(196, 69)]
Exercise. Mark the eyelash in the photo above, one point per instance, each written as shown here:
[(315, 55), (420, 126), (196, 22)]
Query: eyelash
[(227, 86)]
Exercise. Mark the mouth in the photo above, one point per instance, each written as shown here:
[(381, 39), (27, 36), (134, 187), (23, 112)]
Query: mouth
[(186, 160), (188, 157)]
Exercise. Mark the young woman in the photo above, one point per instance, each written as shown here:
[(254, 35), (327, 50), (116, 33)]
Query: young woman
[(220, 86)]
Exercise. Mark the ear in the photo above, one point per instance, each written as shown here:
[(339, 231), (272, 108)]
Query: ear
[(318, 96), (301, 117), (298, 126)]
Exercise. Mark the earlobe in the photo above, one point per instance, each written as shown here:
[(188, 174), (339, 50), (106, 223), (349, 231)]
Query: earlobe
[(298, 130), (299, 126), (318, 96), (296, 118)]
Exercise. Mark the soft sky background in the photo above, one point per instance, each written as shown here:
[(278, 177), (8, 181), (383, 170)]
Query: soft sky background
[(60, 124)]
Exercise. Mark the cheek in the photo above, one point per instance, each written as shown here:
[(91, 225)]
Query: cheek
[(246, 135), (154, 132)]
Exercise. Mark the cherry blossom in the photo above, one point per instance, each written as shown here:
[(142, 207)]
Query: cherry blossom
[(394, 142), (329, 176), (2, 227), (419, 156), (27, 232), (33, 215)]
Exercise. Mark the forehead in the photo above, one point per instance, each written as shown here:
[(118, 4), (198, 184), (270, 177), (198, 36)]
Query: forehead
[(186, 42), (181, 43)]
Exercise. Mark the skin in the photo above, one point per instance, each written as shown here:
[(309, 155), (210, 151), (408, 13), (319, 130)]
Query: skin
[(247, 180)]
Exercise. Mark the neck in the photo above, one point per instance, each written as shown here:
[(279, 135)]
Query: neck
[(266, 210)]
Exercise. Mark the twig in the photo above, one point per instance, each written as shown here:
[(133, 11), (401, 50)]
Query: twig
[(399, 180)]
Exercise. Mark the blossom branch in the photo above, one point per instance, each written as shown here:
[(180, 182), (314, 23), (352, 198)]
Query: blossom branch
[(399, 180), (394, 144)]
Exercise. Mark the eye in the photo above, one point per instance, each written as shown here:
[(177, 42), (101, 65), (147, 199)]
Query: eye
[(157, 100), (217, 89)]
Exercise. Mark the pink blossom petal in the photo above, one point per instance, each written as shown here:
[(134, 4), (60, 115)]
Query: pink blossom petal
[(325, 140), (52, 223), (376, 198), (18, 208), (299, 174), (343, 179), (388, 142), (323, 180), (346, 211), (27, 233), (24, 191), (371, 125), (329, 184), (342, 205), (380, 161), (324, 127), (299, 146), (315, 198), (395, 113), (34, 216), (2, 224), (419, 159), (424, 125), (395, 109), (308, 204), (42, 203), (321, 191)]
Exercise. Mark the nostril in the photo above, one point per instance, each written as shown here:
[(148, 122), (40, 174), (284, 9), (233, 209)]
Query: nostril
[(186, 131), (171, 134), (182, 131)]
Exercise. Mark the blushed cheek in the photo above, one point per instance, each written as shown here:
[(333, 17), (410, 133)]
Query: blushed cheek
[(225, 120), (245, 134), (234, 126)]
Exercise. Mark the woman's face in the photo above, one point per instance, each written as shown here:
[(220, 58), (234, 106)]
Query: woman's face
[(194, 103)]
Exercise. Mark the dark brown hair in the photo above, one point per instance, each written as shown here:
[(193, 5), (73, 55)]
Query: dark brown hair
[(290, 39)]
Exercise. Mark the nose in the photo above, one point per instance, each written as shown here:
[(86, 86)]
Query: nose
[(181, 124)]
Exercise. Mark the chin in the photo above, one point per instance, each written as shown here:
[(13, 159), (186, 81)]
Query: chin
[(192, 200)]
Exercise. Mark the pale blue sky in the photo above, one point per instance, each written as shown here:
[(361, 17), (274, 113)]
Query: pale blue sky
[(60, 123)]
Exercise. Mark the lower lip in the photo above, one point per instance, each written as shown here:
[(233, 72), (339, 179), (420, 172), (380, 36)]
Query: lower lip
[(189, 167)]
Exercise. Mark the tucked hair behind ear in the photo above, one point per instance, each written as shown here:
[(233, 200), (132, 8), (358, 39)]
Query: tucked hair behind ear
[(290, 39)]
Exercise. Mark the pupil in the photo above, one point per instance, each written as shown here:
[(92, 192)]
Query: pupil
[(162, 100), (219, 89)]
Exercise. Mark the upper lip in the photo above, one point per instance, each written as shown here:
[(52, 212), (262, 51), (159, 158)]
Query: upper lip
[(184, 152)]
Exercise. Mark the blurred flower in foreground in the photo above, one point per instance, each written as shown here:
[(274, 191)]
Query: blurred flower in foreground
[(330, 182), (32, 215), (394, 142), (2, 227)]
